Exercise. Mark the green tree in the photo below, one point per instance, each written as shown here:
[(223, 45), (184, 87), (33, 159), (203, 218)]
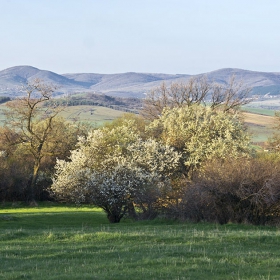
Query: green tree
[(139, 122)]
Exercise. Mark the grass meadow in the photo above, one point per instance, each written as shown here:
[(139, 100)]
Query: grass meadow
[(91, 114), (97, 115), (64, 242), (259, 111)]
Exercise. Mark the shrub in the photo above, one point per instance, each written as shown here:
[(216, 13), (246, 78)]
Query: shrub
[(244, 190)]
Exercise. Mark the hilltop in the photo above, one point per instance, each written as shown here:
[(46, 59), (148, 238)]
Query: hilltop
[(131, 84)]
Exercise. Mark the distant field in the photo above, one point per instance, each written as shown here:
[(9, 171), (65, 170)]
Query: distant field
[(260, 120), (59, 242), (260, 126), (92, 114), (272, 104), (259, 111)]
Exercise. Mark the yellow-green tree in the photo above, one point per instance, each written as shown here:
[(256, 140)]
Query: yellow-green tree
[(201, 134)]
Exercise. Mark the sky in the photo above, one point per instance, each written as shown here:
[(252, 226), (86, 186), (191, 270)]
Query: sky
[(150, 36)]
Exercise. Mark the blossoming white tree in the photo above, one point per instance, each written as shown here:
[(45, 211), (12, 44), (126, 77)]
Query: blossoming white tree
[(113, 168)]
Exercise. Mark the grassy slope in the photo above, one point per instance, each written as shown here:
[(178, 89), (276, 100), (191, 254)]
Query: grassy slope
[(67, 243), (261, 126), (259, 111), (95, 114), (84, 113)]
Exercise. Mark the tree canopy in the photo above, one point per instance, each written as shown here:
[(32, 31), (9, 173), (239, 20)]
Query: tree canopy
[(200, 134)]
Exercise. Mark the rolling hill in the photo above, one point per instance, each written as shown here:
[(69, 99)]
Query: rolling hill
[(131, 84)]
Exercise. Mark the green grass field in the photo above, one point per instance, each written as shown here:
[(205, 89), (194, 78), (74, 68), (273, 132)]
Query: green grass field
[(59, 242), (92, 114), (259, 111)]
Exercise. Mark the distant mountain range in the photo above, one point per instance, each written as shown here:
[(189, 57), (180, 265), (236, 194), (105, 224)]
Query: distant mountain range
[(12, 81)]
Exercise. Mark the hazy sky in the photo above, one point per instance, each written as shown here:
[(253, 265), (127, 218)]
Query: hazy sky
[(157, 36)]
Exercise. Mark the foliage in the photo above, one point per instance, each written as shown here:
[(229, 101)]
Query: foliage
[(13, 176), (113, 168), (139, 123), (201, 134), (16, 160)]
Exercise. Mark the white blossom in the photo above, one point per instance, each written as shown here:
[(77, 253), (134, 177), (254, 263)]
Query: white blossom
[(111, 168)]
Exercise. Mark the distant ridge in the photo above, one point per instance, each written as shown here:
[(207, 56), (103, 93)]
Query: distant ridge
[(129, 84)]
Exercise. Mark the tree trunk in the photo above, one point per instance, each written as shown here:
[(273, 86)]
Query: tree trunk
[(113, 218), (115, 213), (131, 210), (34, 180)]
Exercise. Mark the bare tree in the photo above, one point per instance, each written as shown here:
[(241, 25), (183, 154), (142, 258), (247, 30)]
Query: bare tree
[(229, 97), (195, 91), (31, 124)]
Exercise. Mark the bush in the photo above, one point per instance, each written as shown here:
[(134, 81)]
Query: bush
[(233, 191)]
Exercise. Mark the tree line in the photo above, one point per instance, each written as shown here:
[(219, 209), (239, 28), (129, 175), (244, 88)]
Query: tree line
[(94, 99), (4, 99), (187, 156)]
